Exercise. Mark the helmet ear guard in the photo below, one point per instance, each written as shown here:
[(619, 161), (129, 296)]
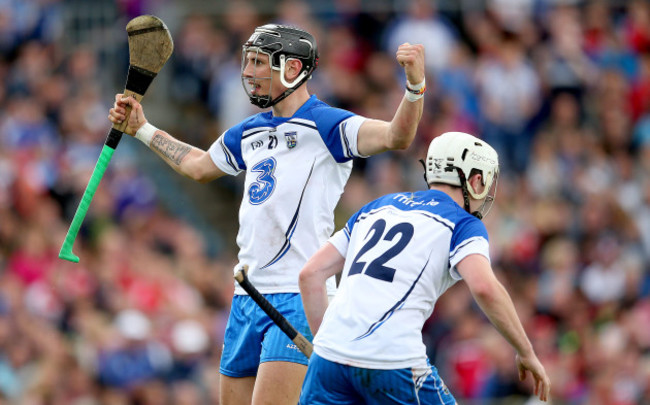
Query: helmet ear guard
[(298, 80), (281, 43), (454, 157)]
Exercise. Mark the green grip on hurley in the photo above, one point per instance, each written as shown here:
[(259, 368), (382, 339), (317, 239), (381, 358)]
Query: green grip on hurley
[(108, 149)]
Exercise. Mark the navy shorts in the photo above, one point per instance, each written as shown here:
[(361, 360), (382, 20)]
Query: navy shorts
[(252, 337), (328, 382)]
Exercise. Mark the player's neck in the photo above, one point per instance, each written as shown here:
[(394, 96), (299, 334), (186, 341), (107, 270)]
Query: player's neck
[(291, 104), (454, 192)]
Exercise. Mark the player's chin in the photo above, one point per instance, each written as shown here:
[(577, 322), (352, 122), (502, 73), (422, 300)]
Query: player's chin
[(258, 93)]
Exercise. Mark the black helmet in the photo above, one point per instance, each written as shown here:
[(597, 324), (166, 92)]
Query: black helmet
[(281, 42)]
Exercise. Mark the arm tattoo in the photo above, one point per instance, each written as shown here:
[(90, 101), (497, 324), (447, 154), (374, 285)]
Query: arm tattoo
[(170, 148)]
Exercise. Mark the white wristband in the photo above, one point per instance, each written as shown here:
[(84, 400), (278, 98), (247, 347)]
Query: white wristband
[(415, 92), (417, 87), (146, 133), (412, 97)]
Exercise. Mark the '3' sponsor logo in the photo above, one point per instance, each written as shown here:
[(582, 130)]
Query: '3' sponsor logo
[(261, 189)]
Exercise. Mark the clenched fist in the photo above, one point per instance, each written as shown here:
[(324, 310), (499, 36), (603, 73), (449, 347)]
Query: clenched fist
[(411, 57)]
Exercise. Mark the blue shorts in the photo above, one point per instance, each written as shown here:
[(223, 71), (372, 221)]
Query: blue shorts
[(252, 338), (328, 382)]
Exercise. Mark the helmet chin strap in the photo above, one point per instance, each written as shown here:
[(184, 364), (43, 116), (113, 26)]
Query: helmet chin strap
[(424, 166), (271, 102)]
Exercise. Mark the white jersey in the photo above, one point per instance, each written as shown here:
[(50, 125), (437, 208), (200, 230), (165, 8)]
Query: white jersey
[(296, 169), (401, 251)]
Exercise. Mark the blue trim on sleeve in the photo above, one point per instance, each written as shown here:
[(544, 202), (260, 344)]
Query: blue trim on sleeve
[(467, 228), (228, 155), (232, 142), (328, 120)]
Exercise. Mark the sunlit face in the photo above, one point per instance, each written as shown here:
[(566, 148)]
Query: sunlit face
[(264, 83), (257, 73)]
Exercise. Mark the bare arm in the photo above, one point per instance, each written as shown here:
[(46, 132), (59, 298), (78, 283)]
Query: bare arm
[(326, 262), (376, 136), (186, 159), (495, 302)]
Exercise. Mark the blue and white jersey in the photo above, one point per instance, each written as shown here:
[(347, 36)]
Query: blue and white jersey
[(401, 254), (296, 169)]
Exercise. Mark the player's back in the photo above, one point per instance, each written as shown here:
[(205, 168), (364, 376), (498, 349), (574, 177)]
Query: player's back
[(399, 260)]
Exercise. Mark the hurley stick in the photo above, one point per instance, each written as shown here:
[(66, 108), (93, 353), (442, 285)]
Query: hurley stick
[(150, 45), (296, 337)]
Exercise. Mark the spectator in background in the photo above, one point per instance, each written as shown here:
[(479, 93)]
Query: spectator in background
[(635, 28), (604, 280), (605, 46), (512, 15), (134, 357), (197, 56), (457, 85), (562, 62), (559, 276), (559, 148), (509, 90), (189, 342), (423, 24)]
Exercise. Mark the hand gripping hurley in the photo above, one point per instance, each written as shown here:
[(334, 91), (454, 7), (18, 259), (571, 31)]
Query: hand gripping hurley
[(150, 46)]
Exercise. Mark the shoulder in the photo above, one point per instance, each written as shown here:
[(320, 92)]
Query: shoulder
[(254, 121), (370, 208), (451, 210), (324, 114), (468, 226), (467, 219), (391, 202), (460, 221), (383, 201)]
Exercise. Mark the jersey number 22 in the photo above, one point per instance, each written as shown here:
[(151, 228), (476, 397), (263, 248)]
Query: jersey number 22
[(376, 267)]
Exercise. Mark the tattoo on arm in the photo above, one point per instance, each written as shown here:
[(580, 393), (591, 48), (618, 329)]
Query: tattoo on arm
[(170, 148)]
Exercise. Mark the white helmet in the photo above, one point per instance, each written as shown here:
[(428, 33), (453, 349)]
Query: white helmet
[(454, 156)]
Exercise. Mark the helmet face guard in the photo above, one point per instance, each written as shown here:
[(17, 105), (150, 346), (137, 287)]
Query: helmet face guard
[(250, 83), (281, 44)]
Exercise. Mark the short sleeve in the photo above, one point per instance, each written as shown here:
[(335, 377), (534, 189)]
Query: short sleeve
[(226, 153), (350, 133), (339, 129), (469, 237), (341, 240)]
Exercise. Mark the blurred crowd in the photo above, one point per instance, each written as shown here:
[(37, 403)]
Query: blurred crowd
[(560, 88)]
